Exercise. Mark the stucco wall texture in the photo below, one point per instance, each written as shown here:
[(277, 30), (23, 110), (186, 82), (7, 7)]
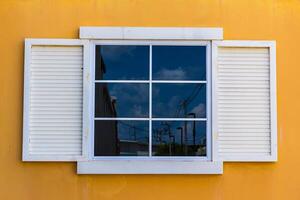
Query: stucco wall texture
[(241, 19)]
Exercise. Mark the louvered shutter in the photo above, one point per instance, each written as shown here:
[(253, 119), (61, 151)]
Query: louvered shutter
[(53, 100), (244, 100)]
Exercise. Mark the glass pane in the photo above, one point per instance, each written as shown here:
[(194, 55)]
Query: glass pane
[(116, 62), (179, 62), (121, 138), (122, 100), (178, 138), (179, 100)]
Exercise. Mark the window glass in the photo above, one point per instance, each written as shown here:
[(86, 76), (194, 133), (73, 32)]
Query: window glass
[(122, 100), (122, 62), (121, 138), (179, 62), (179, 100), (178, 138), (125, 92)]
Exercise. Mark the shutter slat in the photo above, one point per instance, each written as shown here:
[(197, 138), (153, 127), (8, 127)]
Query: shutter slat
[(52, 137), (246, 150), (242, 130), (55, 67), (244, 138), (54, 153)]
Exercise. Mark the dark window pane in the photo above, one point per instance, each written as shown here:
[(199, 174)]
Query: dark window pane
[(179, 100), (121, 100), (121, 138), (119, 62), (179, 62), (178, 138)]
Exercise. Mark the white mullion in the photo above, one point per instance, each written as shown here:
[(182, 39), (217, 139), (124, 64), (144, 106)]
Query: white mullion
[(93, 77), (208, 102), (179, 119), (121, 81), (121, 118), (177, 81), (150, 101)]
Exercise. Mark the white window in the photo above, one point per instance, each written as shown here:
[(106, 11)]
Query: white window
[(149, 100)]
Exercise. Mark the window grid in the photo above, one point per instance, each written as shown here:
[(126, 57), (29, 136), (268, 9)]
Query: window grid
[(150, 119), (150, 101)]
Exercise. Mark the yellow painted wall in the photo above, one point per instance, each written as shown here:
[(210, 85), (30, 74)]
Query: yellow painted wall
[(241, 19)]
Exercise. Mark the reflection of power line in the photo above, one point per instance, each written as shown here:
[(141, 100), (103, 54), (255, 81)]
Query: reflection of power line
[(182, 107), (184, 103), (194, 94), (134, 126), (135, 129), (168, 130)]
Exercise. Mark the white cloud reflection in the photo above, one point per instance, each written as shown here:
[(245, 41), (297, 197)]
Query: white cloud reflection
[(199, 110), (132, 99), (171, 74)]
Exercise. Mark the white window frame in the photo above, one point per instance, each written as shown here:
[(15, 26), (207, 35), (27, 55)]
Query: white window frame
[(207, 83), (150, 165)]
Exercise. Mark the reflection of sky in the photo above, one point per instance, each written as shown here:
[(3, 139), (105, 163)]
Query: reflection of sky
[(160, 131), (129, 62), (168, 98), (179, 62), (131, 130), (125, 62), (132, 100)]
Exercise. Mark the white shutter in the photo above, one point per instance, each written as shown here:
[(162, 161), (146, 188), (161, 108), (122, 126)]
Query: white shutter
[(244, 101), (53, 100)]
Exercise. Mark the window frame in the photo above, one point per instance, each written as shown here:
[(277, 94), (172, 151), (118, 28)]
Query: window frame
[(150, 43)]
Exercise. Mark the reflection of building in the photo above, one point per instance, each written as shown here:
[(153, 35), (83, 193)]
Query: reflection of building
[(105, 104), (106, 140), (100, 66)]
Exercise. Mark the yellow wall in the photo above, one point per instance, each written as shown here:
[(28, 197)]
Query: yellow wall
[(252, 19)]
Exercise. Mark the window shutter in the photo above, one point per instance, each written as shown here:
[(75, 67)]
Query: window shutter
[(244, 100), (53, 100)]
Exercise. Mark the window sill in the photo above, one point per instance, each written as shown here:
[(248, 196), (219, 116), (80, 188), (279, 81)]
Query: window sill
[(149, 167)]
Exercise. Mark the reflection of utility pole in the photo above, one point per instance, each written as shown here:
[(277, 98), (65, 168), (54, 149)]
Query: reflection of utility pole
[(184, 104), (173, 137), (181, 135), (156, 135), (134, 133), (194, 128), (170, 137), (159, 133)]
